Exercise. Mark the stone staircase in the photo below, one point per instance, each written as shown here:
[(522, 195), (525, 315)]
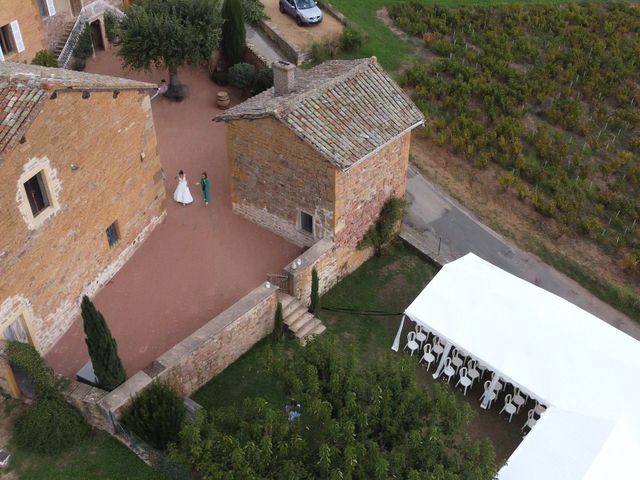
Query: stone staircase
[(302, 324), (68, 27)]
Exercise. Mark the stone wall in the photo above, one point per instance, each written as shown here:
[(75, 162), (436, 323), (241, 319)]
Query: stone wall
[(28, 16), (192, 362), (100, 156), (274, 175), (291, 51)]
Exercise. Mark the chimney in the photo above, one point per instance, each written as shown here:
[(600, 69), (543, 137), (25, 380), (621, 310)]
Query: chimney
[(284, 77)]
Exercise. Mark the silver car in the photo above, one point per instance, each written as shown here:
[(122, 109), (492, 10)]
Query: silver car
[(306, 12)]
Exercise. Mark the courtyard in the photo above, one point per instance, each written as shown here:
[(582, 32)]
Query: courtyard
[(200, 259)]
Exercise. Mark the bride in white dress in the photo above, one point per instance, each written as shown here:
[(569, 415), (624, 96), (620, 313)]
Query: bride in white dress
[(182, 194)]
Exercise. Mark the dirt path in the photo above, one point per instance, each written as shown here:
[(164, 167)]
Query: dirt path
[(301, 37)]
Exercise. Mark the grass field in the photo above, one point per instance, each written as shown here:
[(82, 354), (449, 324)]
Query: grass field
[(98, 458)]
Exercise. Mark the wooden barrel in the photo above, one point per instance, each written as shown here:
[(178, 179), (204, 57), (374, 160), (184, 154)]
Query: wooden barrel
[(222, 99)]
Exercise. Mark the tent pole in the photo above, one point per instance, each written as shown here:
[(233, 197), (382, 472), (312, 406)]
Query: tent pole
[(396, 341), (443, 358)]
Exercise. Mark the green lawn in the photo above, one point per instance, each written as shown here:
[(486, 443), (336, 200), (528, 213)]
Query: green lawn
[(98, 458), (383, 284), (391, 51)]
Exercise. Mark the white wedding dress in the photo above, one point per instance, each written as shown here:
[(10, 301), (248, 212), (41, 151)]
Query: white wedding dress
[(182, 193)]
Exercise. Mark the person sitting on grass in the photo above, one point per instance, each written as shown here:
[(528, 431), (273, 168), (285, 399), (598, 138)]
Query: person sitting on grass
[(292, 410)]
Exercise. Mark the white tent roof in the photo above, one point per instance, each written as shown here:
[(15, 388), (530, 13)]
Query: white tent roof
[(569, 359)]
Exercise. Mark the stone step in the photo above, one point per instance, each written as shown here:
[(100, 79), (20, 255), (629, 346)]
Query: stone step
[(290, 308), (316, 331), (285, 300), (308, 328), (295, 316), (300, 322)]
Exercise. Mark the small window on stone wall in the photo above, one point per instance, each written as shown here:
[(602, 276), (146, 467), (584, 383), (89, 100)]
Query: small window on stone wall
[(37, 195), (112, 234), (306, 222)]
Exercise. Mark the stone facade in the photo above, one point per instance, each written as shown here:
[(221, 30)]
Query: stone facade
[(100, 162), (275, 175), (26, 13)]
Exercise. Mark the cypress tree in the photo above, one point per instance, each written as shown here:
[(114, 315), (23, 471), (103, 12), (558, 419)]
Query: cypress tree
[(278, 328), (102, 347), (233, 34), (315, 294)]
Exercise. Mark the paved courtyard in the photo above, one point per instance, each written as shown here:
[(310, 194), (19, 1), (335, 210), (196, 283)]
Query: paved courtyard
[(200, 260)]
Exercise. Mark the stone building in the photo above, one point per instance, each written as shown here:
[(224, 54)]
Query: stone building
[(82, 188), (317, 156), (22, 32)]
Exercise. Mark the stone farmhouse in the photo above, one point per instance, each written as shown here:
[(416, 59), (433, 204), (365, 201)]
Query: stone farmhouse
[(28, 26), (315, 158), (82, 188)]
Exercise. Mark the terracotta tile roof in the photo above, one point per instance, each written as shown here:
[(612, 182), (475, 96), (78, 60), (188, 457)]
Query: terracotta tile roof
[(345, 109), (24, 88)]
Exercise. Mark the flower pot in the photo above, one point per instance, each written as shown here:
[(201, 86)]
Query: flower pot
[(222, 100)]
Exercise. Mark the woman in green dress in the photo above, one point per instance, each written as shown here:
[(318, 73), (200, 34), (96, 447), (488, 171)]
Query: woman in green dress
[(205, 186)]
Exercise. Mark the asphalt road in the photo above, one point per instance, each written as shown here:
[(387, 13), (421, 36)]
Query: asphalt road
[(455, 232)]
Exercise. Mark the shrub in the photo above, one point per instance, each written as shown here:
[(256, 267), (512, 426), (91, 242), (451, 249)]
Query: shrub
[(383, 232), (102, 347), (324, 50), (220, 77), (45, 58), (278, 328), (156, 415), (242, 75), (49, 426), (233, 33), (253, 12), (27, 358), (84, 47), (110, 25), (314, 307), (351, 39), (263, 80)]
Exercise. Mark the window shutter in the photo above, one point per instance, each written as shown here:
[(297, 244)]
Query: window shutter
[(51, 8), (17, 36), (1, 55)]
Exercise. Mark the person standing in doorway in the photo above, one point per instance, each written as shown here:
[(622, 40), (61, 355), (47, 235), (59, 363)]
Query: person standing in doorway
[(205, 186), (182, 194)]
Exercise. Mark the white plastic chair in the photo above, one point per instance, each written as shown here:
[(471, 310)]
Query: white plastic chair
[(421, 336), (518, 398), (539, 408), (456, 360), (472, 371), (531, 422), (428, 357), (412, 345), (464, 380), (509, 407), (448, 370), (437, 349), (489, 395)]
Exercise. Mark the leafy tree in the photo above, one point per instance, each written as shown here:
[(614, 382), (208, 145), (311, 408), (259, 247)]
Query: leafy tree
[(102, 347), (357, 421), (314, 307), (233, 33), (156, 415), (170, 34)]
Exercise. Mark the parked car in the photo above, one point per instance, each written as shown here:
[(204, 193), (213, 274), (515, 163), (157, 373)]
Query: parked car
[(306, 12)]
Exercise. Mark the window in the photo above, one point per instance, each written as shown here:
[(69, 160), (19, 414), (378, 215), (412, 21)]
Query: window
[(36, 191), (112, 234), (6, 40), (306, 222)]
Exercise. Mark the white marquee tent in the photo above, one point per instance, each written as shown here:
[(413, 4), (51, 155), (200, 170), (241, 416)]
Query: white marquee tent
[(586, 371)]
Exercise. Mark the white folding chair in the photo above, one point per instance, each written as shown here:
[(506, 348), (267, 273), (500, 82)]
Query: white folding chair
[(539, 408), (456, 360), (421, 336), (509, 407), (437, 349), (531, 422), (448, 370), (464, 379), (412, 345), (428, 357), (489, 395), (518, 398), (472, 371)]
